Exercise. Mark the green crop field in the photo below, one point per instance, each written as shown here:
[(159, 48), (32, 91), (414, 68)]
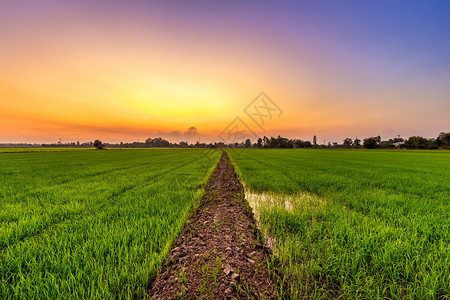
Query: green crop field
[(351, 223), (348, 223), (93, 224), (42, 149), (62, 149)]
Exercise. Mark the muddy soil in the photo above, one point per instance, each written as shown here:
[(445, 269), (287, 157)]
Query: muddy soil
[(218, 254)]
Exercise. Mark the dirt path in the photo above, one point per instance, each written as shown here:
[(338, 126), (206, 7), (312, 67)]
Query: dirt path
[(218, 255)]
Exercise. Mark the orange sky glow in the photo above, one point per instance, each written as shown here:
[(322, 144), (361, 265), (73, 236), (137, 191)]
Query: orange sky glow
[(123, 73)]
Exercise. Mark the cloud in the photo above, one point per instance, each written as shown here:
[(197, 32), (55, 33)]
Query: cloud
[(192, 131), (191, 135)]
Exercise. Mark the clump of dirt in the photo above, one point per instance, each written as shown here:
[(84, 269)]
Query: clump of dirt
[(218, 255)]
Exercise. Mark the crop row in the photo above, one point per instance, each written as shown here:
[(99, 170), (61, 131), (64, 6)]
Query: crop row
[(353, 224), (93, 224)]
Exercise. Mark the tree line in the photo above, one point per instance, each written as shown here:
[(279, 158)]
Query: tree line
[(413, 142)]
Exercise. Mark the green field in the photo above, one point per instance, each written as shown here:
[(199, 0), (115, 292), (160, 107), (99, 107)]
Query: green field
[(342, 223), (62, 149), (93, 224), (41, 149), (353, 224)]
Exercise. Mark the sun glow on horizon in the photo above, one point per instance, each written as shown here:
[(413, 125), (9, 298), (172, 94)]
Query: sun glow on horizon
[(118, 70), (169, 98)]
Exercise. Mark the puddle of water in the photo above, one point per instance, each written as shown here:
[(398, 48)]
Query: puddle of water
[(289, 203), (286, 202)]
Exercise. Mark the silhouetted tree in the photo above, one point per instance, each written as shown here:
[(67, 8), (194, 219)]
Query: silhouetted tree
[(371, 143), (443, 140), (307, 144), (418, 142), (99, 145), (348, 142), (298, 143), (157, 142), (259, 143), (357, 143), (248, 143)]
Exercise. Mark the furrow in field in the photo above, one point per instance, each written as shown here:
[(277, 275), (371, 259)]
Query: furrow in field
[(113, 239), (218, 254)]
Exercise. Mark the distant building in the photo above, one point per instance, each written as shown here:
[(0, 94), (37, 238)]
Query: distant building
[(397, 144)]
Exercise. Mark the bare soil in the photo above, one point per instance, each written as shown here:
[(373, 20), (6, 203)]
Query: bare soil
[(218, 254)]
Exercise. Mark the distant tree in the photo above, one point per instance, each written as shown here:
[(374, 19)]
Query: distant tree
[(307, 144), (315, 141), (387, 144), (283, 142), (157, 142), (348, 142), (259, 143), (248, 143), (99, 145), (357, 143), (297, 143), (371, 143), (443, 140), (418, 142)]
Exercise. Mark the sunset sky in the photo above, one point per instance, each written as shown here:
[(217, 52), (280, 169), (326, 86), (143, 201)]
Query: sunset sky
[(128, 70)]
